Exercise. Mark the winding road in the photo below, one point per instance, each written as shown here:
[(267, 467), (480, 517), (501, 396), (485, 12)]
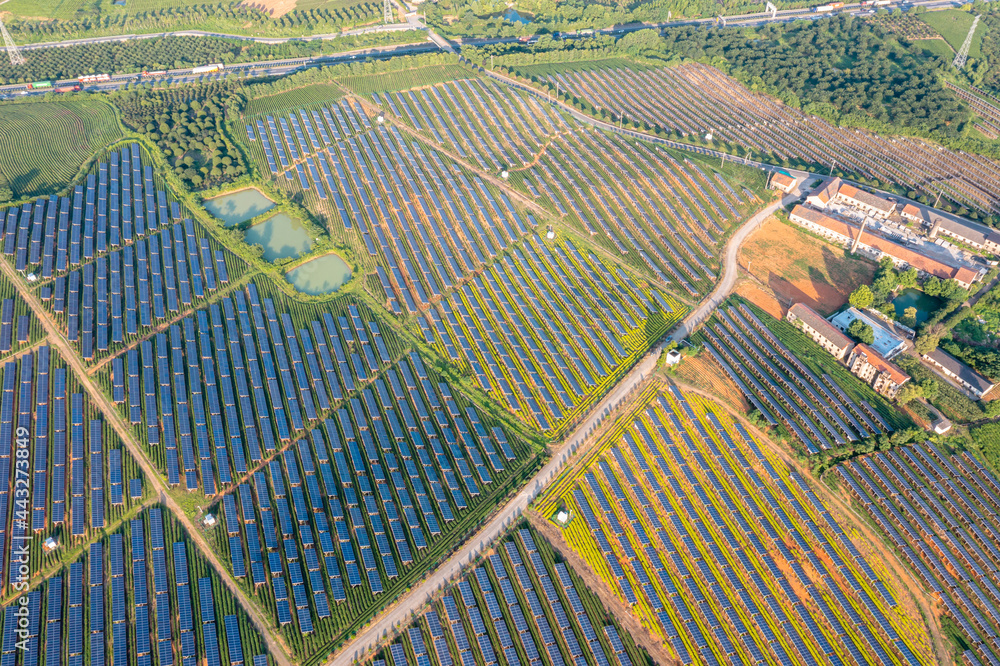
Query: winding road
[(730, 266)]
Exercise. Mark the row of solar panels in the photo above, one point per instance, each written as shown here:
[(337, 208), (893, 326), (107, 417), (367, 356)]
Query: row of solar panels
[(111, 299), (118, 205), (692, 629)]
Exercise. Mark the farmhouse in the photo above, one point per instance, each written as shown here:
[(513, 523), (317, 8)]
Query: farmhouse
[(825, 334), (844, 233), (874, 369), (836, 191), (951, 367), (783, 182), (824, 194)]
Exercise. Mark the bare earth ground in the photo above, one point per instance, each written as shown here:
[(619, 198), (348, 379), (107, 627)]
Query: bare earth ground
[(275, 8), (798, 267)]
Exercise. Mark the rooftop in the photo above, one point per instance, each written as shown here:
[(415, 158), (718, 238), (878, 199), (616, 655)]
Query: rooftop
[(827, 190), (886, 342), (881, 364), (919, 261), (818, 323), (782, 179), (961, 370), (873, 200)]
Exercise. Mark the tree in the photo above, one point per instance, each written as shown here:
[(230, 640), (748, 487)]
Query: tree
[(909, 391), (910, 316), (908, 278), (862, 297), (861, 331), (926, 343)]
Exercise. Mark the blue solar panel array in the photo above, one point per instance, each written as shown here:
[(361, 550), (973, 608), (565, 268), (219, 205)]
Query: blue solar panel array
[(118, 629), (73, 459), (475, 626)]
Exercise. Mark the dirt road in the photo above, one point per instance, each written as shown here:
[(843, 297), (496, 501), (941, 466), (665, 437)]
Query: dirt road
[(153, 476)]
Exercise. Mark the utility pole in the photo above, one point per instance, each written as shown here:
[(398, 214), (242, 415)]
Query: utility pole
[(12, 51), (963, 53)]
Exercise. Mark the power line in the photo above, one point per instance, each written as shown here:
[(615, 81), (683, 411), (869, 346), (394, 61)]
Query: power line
[(12, 51)]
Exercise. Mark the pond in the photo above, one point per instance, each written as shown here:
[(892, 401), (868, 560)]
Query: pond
[(239, 206), (280, 236), (914, 298), (320, 275), (513, 16)]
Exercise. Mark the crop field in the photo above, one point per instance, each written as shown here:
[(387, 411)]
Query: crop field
[(73, 131), (100, 607), (953, 25), (403, 80), (81, 479), (507, 612), (775, 366), (941, 513), (18, 328), (53, 20), (698, 99), (117, 258), (729, 555)]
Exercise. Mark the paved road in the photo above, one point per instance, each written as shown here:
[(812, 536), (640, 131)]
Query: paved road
[(153, 476), (257, 69), (400, 615), (730, 269), (414, 23)]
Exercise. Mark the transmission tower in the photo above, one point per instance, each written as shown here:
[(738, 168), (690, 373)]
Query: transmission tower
[(772, 9), (963, 54), (387, 11), (12, 51)]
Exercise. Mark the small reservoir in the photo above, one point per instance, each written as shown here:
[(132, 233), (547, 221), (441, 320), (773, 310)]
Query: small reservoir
[(915, 298), (240, 206), (280, 236), (321, 275)]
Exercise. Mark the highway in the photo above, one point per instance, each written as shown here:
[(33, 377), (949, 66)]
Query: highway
[(413, 23)]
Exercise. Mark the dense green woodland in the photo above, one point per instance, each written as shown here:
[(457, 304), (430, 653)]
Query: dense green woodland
[(840, 63), (186, 124), (481, 18)]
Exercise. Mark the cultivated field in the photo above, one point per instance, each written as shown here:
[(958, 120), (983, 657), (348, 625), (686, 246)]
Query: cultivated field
[(55, 20), (720, 550), (507, 612), (73, 131), (953, 25), (698, 99)]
